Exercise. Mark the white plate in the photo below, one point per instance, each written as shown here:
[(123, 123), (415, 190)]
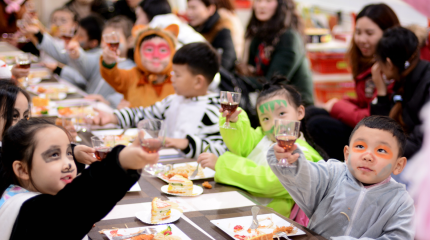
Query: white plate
[(35, 87), (145, 216), (228, 224), (197, 190), (209, 173), (61, 96), (127, 231)]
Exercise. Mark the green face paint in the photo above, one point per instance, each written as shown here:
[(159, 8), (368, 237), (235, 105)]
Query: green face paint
[(270, 106), (271, 131)]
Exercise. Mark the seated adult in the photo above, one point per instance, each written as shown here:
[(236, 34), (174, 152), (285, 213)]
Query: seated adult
[(158, 14), (205, 19), (85, 8), (275, 45)]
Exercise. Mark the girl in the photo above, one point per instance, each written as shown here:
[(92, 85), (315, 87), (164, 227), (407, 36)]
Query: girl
[(245, 165), (275, 45), (331, 125), (397, 56), (39, 188)]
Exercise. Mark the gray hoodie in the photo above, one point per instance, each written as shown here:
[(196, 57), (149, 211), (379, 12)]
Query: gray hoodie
[(340, 207)]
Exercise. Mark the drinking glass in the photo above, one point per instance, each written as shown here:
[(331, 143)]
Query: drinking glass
[(229, 101), (103, 145), (66, 35), (23, 61), (112, 40), (152, 141), (20, 24), (286, 134)]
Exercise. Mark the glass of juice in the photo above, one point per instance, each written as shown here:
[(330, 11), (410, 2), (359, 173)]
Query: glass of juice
[(229, 101), (103, 145), (151, 134), (23, 61), (112, 41), (286, 134), (67, 35)]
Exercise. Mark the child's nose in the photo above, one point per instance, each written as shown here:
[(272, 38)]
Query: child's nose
[(368, 156)]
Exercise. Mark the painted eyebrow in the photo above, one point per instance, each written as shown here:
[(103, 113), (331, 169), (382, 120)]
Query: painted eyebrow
[(52, 149)]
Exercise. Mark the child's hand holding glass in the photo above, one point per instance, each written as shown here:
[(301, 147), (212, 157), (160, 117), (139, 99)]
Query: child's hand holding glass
[(282, 154), (110, 56), (84, 154), (134, 157)]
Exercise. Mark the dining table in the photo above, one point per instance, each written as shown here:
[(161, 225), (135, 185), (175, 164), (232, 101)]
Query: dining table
[(220, 202)]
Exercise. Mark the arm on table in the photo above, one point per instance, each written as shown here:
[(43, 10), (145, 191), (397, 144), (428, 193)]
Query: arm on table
[(242, 140)]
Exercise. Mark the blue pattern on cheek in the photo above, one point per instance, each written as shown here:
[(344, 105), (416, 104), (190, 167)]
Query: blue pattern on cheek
[(386, 170)]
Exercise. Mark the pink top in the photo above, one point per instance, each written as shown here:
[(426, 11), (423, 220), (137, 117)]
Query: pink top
[(377, 184)]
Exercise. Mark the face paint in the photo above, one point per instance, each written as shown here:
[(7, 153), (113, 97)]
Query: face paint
[(271, 131), (385, 154), (155, 51), (270, 106), (48, 155), (385, 171), (359, 150)]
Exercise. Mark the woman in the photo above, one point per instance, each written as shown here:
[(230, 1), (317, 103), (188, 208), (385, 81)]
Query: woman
[(331, 126), (275, 45), (226, 10), (126, 8), (205, 19), (398, 57), (84, 8)]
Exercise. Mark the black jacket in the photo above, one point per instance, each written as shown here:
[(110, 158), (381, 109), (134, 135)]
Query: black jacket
[(415, 95), (121, 8), (72, 212)]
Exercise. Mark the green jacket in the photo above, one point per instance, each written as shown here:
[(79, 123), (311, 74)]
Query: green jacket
[(234, 168), (288, 59)]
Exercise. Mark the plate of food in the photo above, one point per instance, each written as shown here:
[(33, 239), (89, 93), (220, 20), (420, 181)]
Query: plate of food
[(161, 212), (181, 186), (128, 137), (186, 169), (270, 225), (161, 232), (42, 107), (39, 73), (51, 89)]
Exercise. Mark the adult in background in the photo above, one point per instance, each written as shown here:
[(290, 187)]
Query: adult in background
[(10, 11), (205, 19), (84, 8), (331, 125), (275, 45), (158, 14), (126, 8), (226, 9)]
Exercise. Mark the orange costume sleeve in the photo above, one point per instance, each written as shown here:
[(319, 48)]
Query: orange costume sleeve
[(120, 79)]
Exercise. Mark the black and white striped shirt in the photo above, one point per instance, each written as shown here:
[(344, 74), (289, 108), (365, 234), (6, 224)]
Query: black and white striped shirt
[(195, 119)]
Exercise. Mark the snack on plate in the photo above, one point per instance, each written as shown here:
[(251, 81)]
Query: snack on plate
[(238, 228), (262, 236), (181, 185), (207, 185), (185, 171), (41, 89), (173, 173), (166, 235), (143, 237), (160, 210), (64, 111), (287, 230), (40, 102)]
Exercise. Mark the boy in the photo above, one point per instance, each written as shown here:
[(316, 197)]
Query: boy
[(358, 198), (191, 115), (150, 80)]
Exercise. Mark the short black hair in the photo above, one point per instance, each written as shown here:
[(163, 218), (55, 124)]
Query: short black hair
[(120, 22), (200, 57), (384, 123), (93, 24), (153, 8)]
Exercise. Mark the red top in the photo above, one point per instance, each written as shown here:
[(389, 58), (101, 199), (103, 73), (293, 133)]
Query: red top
[(350, 111)]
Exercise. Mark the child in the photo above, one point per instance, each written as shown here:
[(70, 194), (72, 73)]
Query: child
[(245, 165), (150, 81), (191, 115), (358, 198), (39, 186)]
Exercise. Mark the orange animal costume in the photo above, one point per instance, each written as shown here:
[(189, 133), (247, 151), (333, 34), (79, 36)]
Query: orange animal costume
[(136, 84)]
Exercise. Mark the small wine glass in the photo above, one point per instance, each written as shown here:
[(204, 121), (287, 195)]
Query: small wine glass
[(23, 61), (21, 26), (103, 145), (286, 134), (112, 40), (229, 101), (67, 35), (152, 140)]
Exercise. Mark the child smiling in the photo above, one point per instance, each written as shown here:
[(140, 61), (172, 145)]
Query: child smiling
[(358, 197)]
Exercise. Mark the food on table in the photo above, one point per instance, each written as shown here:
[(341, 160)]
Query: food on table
[(238, 228), (181, 185), (41, 90), (160, 210), (64, 111), (207, 185), (262, 236), (40, 102), (124, 139), (143, 237), (184, 171), (166, 235), (284, 229), (85, 111), (240, 237)]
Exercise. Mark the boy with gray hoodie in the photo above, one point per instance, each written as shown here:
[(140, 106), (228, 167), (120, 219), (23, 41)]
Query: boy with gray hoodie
[(357, 199)]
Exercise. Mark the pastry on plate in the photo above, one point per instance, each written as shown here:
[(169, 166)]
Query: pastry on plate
[(180, 185), (160, 210)]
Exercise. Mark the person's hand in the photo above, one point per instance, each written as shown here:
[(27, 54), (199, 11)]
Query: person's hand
[(73, 49), (329, 104), (50, 65), (234, 116), (207, 160), (380, 85), (29, 29), (109, 56), (123, 104), (179, 143), (244, 69), (84, 154), (103, 118), (281, 153), (20, 72), (98, 98), (134, 157)]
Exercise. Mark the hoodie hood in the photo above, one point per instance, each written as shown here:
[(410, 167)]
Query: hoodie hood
[(169, 34)]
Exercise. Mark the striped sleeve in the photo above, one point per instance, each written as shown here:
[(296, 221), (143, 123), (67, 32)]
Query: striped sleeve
[(129, 117), (209, 134)]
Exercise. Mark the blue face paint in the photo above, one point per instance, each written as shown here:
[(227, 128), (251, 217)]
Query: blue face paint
[(385, 171)]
